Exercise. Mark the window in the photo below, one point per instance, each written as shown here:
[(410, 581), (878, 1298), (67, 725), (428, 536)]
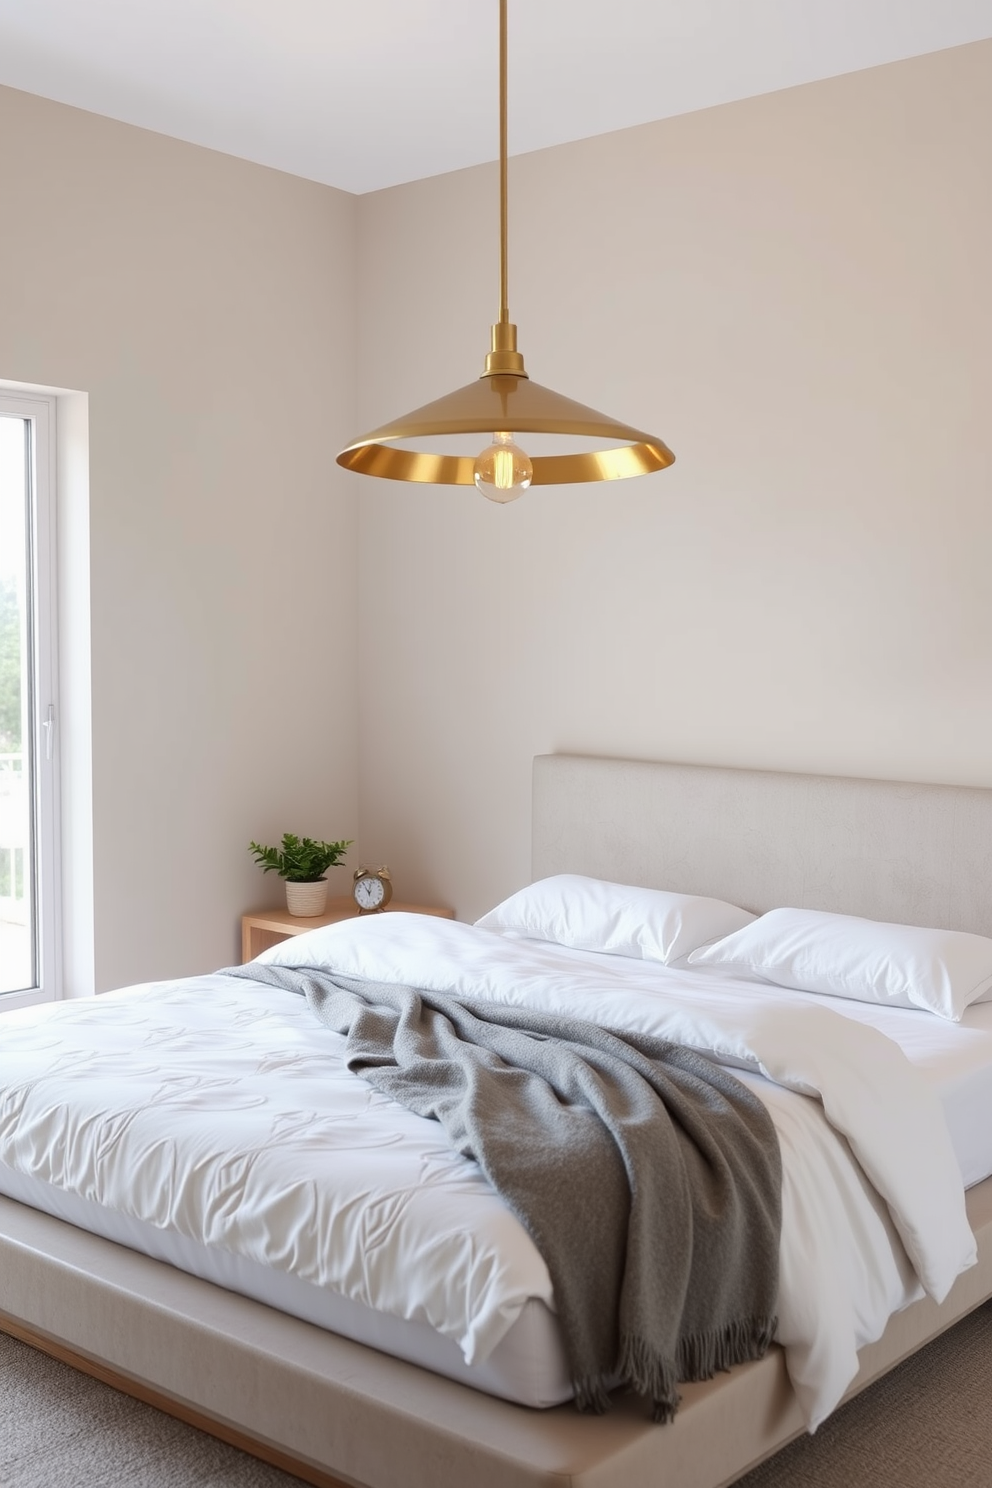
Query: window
[(29, 868)]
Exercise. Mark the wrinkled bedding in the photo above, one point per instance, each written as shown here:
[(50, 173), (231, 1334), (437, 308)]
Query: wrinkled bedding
[(221, 1109)]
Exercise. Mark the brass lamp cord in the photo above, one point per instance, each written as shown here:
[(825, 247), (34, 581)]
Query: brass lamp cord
[(504, 312), (502, 399), (504, 359)]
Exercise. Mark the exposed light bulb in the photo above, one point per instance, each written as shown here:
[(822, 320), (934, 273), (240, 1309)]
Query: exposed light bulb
[(503, 472)]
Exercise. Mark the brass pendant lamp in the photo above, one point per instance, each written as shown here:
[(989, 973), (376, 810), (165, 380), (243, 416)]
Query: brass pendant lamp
[(501, 400)]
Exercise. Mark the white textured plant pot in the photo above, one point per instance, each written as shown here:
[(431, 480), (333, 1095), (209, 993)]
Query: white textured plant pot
[(306, 899)]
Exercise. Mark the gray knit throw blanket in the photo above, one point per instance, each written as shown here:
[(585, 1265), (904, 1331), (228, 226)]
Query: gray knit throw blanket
[(648, 1177)]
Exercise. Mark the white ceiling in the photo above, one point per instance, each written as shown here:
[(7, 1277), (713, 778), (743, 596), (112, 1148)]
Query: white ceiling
[(363, 94)]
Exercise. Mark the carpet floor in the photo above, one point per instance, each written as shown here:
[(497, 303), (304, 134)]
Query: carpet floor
[(926, 1425)]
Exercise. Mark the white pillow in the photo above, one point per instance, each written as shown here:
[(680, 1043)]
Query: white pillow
[(590, 914), (941, 971)]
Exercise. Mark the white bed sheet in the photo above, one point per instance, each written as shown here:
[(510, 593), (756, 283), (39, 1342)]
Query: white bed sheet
[(527, 1366), (853, 1156), (244, 1070), (222, 1111), (955, 1060)]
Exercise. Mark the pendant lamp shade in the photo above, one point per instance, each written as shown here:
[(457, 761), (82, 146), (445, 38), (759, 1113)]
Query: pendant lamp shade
[(505, 402), (506, 406)]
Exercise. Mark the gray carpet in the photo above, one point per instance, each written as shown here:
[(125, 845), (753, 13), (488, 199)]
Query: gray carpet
[(927, 1425), (61, 1429)]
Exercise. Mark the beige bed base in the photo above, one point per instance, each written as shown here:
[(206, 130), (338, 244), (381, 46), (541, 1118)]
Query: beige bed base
[(334, 1411), (337, 1412)]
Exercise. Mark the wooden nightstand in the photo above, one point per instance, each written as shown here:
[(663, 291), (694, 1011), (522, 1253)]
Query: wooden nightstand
[(267, 927)]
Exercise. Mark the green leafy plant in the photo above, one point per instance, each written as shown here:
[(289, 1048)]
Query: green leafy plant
[(299, 859)]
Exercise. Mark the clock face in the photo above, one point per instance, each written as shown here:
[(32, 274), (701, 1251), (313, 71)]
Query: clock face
[(369, 892)]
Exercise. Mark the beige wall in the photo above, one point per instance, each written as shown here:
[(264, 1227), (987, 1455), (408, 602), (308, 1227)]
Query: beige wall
[(206, 307), (795, 292)]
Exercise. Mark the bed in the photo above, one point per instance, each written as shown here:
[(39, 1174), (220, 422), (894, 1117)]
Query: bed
[(333, 1410)]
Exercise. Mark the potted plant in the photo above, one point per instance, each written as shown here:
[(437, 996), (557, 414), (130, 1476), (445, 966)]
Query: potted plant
[(302, 862)]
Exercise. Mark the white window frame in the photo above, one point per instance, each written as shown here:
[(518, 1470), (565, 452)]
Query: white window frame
[(42, 743)]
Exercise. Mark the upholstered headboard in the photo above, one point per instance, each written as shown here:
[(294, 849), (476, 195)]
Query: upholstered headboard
[(916, 854)]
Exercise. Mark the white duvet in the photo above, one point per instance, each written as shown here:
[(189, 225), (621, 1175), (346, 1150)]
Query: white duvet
[(223, 1109)]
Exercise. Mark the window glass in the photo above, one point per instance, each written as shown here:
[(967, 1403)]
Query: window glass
[(17, 960), (28, 870)]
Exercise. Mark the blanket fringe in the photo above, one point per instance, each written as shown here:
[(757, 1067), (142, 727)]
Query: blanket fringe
[(592, 1393), (698, 1357), (644, 1370)]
